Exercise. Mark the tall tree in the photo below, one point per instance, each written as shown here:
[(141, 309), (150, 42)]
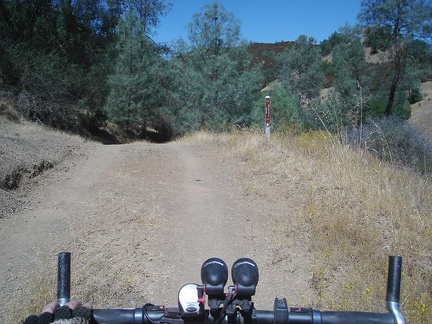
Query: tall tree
[(214, 29), (301, 68), (351, 80), (135, 84), (405, 19), (149, 13), (215, 85)]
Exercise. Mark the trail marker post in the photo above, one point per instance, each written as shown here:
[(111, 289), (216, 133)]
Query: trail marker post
[(267, 116)]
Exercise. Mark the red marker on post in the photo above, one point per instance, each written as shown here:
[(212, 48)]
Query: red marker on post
[(267, 116)]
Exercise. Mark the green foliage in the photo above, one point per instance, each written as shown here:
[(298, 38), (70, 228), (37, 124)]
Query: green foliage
[(331, 115), (95, 90), (47, 86), (351, 69), (329, 70), (212, 92), (395, 18), (214, 29), (181, 111), (375, 108), (395, 22), (213, 84), (148, 12), (91, 61), (135, 90), (49, 53), (335, 39), (414, 96), (419, 59), (378, 38), (300, 68), (58, 55), (402, 110), (344, 104), (409, 89)]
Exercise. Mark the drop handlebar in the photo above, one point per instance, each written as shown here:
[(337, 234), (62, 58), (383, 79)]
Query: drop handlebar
[(148, 315), (235, 306)]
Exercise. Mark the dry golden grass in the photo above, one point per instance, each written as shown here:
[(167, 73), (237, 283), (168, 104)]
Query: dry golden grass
[(359, 211), (422, 112)]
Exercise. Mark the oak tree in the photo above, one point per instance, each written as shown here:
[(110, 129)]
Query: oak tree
[(404, 20)]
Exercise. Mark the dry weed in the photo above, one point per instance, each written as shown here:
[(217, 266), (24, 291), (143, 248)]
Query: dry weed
[(358, 209)]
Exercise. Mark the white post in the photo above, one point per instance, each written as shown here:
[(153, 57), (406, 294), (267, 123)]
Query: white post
[(267, 116)]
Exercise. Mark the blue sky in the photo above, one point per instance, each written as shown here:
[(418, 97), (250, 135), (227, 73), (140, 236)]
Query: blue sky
[(267, 21)]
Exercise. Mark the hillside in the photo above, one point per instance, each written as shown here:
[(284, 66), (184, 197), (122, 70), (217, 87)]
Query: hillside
[(422, 112), (263, 54), (259, 51)]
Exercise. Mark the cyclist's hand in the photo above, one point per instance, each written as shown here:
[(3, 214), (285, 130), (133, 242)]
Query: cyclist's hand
[(72, 312)]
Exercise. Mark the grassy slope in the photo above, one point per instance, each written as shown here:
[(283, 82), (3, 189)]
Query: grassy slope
[(358, 210), (422, 112)]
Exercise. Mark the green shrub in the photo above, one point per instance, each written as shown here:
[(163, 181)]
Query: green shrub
[(414, 96), (375, 108), (284, 108)]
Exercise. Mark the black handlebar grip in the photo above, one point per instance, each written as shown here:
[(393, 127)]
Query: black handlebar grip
[(114, 316), (63, 277), (394, 279), (149, 314), (356, 318)]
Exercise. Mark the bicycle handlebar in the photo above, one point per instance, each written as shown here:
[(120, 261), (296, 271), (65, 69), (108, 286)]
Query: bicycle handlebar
[(237, 306), (294, 316)]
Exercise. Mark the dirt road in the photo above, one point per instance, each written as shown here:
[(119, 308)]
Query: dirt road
[(140, 219)]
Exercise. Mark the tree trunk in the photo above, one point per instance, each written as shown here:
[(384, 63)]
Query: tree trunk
[(392, 94), (399, 64)]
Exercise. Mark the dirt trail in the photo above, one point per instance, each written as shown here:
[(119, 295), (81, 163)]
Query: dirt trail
[(148, 215)]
